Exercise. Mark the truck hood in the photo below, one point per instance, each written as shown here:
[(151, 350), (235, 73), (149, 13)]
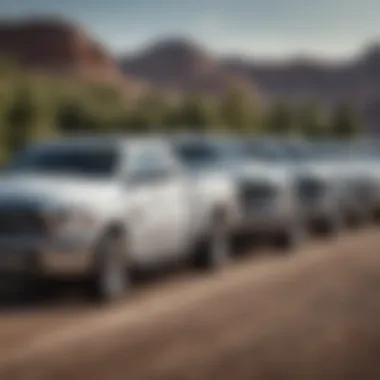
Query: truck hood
[(275, 174), (322, 169), (244, 171), (47, 190)]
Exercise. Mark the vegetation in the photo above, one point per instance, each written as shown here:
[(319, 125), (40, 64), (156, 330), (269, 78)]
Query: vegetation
[(281, 119), (34, 107), (313, 121), (345, 121)]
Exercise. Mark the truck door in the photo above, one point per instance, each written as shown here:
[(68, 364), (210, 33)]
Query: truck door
[(158, 204)]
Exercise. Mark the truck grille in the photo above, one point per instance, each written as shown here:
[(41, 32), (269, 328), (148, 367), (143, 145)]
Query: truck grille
[(21, 222), (256, 194), (310, 189), (361, 191)]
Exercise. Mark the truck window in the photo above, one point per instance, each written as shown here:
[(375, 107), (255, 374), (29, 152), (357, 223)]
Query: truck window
[(152, 165), (195, 154), (68, 160), (262, 151)]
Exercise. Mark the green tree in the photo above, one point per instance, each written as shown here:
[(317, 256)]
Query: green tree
[(154, 107), (345, 121), (8, 67), (148, 114), (197, 113), (46, 102), (20, 119), (172, 117), (238, 112), (71, 116), (312, 121), (5, 100), (103, 94), (125, 120), (138, 119), (281, 119)]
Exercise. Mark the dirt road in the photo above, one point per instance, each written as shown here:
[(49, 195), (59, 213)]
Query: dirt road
[(313, 315)]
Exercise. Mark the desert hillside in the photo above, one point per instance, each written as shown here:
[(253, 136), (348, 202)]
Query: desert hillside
[(182, 66), (58, 46)]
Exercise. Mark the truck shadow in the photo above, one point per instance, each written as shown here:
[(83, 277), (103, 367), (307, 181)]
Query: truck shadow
[(20, 296), (17, 295)]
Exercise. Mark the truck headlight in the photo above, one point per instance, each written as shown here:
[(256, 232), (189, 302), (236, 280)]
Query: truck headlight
[(311, 188), (67, 218)]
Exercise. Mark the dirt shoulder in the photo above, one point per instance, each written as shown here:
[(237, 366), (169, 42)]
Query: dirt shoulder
[(313, 315)]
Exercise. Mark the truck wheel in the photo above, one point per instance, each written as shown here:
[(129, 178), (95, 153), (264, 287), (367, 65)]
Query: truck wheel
[(290, 238), (332, 226), (356, 220), (376, 215), (110, 278), (215, 250)]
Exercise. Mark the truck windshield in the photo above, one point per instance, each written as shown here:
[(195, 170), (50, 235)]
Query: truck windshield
[(329, 150), (262, 151), (210, 154), (296, 152), (198, 153), (68, 160)]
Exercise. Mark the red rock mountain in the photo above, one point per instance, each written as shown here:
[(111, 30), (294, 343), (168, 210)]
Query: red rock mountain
[(356, 81), (182, 66), (58, 46), (178, 65)]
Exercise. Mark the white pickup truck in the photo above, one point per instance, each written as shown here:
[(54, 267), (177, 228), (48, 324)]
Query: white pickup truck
[(96, 207), (266, 203)]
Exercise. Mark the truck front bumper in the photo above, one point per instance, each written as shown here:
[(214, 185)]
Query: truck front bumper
[(34, 259), (265, 220)]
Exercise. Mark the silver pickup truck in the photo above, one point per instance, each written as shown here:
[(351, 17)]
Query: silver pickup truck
[(266, 204), (97, 207), (334, 187)]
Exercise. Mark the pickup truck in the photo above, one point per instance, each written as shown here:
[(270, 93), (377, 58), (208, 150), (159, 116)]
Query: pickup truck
[(333, 184), (352, 169), (95, 208), (266, 204), (313, 183)]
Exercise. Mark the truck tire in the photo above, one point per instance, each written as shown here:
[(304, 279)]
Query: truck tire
[(333, 226), (215, 250), (110, 278), (376, 215), (290, 238)]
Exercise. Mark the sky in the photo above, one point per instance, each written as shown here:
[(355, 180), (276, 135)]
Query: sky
[(274, 29)]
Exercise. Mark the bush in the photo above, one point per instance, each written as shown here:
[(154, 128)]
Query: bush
[(20, 119), (35, 107), (239, 111), (197, 113), (345, 121), (313, 122), (71, 116), (281, 119)]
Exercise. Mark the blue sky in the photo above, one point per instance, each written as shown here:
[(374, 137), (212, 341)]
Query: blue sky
[(258, 28)]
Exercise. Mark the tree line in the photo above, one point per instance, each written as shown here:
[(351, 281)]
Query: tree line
[(33, 106)]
